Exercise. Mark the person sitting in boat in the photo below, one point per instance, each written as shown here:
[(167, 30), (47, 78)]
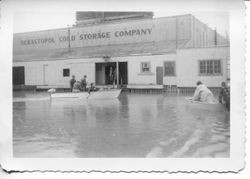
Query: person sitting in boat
[(77, 87), (72, 82), (224, 97), (84, 83), (92, 88), (203, 94)]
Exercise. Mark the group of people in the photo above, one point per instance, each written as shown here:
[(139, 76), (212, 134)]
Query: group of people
[(203, 94), (77, 86)]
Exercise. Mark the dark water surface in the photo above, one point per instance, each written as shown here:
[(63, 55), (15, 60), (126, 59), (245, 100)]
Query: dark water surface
[(135, 125)]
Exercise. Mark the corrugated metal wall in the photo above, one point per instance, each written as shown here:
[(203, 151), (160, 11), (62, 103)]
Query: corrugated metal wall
[(187, 65), (204, 36)]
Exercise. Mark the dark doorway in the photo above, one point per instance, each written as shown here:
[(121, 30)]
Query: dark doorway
[(18, 75), (159, 75), (106, 73), (123, 73), (110, 70)]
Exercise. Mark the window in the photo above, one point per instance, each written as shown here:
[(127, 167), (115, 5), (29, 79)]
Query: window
[(169, 68), (210, 67), (145, 67), (66, 72)]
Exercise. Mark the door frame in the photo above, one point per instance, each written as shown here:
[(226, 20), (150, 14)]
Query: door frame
[(161, 75), (22, 69)]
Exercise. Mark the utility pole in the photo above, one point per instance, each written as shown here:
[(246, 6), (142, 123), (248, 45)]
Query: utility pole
[(227, 38), (176, 33), (215, 37), (69, 46), (117, 73)]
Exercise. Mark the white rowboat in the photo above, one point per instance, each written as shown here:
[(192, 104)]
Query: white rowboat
[(213, 107), (102, 94)]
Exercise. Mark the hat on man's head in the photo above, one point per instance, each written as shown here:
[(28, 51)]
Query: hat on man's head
[(198, 83)]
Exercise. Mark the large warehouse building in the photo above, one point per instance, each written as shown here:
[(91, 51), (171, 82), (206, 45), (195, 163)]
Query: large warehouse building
[(144, 51)]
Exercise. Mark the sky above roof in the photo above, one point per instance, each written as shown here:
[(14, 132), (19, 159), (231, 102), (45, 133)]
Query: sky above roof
[(30, 21)]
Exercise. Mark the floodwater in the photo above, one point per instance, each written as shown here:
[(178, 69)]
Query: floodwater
[(135, 125)]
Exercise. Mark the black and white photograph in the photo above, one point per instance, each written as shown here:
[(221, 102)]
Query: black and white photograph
[(104, 84), (122, 84)]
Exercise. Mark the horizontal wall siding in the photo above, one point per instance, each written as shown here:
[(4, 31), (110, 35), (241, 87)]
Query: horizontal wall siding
[(188, 66), (51, 72), (81, 69), (134, 69), (33, 72), (135, 76), (186, 63)]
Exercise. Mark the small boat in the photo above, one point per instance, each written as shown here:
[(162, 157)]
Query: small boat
[(101, 94), (214, 107)]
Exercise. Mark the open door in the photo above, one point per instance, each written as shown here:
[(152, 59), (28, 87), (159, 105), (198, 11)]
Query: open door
[(159, 75), (105, 72), (18, 75), (123, 73)]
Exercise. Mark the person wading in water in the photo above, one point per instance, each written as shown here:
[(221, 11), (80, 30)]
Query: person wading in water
[(203, 94), (224, 97)]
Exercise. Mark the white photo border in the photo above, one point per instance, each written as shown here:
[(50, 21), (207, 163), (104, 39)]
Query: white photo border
[(236, 161)]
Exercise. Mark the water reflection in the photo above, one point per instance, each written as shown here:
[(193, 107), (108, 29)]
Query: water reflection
[(132, 126)]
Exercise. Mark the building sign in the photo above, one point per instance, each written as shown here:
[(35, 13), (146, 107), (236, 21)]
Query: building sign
[(86, 36), (150, 30)]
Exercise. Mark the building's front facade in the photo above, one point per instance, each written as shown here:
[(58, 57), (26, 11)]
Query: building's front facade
[(178, 51)]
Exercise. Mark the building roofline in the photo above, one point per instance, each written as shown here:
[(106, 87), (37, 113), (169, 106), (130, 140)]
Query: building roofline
[(91, 57), (211, 28), (206, 47), (122, 55), (106, 23)]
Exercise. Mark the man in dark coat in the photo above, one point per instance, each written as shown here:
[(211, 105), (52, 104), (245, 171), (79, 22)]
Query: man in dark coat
[(224, 96), (84, 83)]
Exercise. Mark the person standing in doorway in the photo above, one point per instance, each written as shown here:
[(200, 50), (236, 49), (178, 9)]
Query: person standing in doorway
[(84, 83), (111, 75), (72, 82), (114, 76)]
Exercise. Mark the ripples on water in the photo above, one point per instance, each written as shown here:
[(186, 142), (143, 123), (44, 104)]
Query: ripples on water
[(135, 125)]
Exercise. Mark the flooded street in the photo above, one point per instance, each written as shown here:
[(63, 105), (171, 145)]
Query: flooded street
[(135, 125)]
